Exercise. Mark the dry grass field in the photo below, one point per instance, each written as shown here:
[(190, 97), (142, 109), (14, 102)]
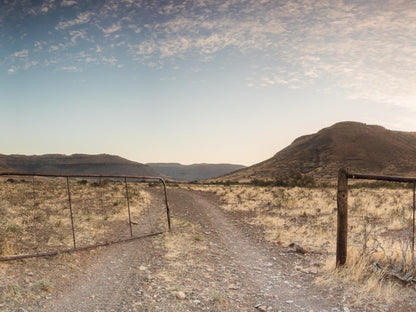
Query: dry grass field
[(380, 232), (36, 215)]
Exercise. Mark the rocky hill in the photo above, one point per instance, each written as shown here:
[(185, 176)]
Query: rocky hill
[(359, 147), (195, 171), (75, 164)]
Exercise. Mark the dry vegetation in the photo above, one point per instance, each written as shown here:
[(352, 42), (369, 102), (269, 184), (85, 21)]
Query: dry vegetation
[(35, 215), (380, 256)]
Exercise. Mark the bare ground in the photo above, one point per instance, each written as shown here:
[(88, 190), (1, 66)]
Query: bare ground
[(215, 259)]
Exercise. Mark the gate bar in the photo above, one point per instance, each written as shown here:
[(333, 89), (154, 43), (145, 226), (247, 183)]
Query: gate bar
[(70, 211), (128, 206), (55, 253), (379, 178)]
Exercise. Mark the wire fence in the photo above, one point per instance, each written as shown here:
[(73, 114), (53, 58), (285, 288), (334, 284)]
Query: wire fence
[(42, 214)]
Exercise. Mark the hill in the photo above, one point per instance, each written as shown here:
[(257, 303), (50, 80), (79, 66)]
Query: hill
[(75, 164), (195, 171), (359, 147)]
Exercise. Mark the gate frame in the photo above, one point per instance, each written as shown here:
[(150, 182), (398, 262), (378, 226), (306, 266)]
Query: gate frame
[(68, 176), (342, 208)]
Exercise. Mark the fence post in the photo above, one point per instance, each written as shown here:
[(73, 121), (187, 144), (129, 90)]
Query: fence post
[(342, 217), (413, 217)]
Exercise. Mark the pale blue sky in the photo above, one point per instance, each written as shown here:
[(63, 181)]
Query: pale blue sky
[(199, 81)]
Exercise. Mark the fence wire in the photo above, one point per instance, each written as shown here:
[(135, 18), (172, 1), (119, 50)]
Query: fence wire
[(381, 225)]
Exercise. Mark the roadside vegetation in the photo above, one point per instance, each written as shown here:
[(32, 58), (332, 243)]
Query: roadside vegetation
[(380, 264), (35, 217)]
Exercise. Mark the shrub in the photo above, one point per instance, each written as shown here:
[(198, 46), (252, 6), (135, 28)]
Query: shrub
[(290, 180)]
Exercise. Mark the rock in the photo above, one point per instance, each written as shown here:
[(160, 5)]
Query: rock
[(180, 295), (262, 308), (233, 287), (297, 248)]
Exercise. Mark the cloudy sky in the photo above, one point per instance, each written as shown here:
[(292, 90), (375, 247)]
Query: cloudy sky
[(199, 81)]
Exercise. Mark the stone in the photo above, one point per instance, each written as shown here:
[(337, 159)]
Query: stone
[(297, 248), (180, 295), (233, 287)]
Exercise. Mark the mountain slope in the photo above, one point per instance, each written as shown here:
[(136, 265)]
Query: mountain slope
[(359, 147), (195, 171), (75, 164)]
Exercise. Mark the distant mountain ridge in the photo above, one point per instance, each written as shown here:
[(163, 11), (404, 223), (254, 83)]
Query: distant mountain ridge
[(357, 146), (102, 164), (194, 172)]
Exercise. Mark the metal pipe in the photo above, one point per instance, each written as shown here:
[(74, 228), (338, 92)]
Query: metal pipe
[(55, 175), (55, 253), (70, 210), (166, 202), (413, 234), (128, 206), (379, 178)]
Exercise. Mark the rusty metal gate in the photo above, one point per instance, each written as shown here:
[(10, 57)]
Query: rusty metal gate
[(47, 214)]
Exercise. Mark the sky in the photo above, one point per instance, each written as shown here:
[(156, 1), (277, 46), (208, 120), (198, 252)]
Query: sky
[(203, 81)]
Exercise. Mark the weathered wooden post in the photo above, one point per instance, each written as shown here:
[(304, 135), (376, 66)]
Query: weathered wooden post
[(342, 217)]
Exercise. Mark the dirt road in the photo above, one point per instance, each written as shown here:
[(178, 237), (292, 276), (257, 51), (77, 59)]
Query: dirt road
[(211, 258)]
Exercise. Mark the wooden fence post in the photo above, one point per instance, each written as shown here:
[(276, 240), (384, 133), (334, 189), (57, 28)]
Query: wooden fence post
[(342, 217)]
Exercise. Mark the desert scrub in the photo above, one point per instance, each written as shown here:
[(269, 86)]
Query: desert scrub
[(308, 215), (361, 281)]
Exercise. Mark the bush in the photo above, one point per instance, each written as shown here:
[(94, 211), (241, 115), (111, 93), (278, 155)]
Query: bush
[(290, 180), (100, 183)]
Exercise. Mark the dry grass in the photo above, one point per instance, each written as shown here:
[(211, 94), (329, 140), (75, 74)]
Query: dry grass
[(300, 215), (379, 221), (360, 280), (184, 247), (35, 215)]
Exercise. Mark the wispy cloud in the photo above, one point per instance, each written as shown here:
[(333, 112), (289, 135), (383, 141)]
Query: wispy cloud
[(112, 29), (70, 68), (22, 53), (66, 3), (363, 49), (82, 18)]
